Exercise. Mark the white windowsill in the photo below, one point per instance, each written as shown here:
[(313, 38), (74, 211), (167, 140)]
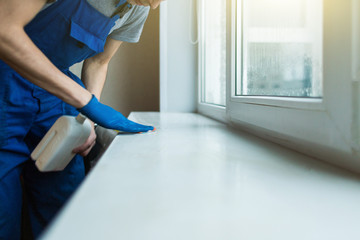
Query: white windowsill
[(197, 179)]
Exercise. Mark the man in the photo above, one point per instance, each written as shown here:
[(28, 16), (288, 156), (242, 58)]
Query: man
[(38, 44)]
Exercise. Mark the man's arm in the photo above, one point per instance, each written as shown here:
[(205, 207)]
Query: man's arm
[(95, 68), (19, 52), (93, 76)]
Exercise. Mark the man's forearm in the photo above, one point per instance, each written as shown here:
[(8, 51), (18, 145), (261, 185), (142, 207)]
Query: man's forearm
[(93, 76), (94, 69), (20, 53)]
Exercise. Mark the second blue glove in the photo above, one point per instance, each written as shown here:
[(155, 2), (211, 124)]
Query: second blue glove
[(108, 117)]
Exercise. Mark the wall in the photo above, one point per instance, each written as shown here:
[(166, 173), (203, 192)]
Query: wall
[(133, 78), (178, 57)]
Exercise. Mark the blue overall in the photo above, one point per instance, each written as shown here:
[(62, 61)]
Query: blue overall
[(67, 32)]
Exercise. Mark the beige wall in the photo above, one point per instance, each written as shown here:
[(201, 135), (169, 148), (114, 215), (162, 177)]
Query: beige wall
[(133, 77)]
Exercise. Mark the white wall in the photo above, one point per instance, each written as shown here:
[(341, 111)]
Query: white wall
[(178, 58)]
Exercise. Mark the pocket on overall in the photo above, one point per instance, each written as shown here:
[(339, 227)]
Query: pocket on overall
[(84, 37), (65, 42)]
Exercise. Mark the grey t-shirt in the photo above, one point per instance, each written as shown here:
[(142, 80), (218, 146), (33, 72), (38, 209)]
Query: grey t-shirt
[(129, 27)]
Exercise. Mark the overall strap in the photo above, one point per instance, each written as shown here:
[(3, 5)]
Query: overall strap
[(122, 9)]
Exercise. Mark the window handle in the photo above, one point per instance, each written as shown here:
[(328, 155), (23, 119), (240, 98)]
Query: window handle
[(356, 40), (191, 18)]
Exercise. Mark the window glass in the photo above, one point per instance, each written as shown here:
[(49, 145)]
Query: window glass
[(214, 52), (279, 48)]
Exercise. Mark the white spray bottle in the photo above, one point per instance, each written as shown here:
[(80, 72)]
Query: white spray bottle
[(54, 152)]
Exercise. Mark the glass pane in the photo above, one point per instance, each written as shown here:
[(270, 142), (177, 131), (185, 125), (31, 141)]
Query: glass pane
[(280, 50), (214, 54)]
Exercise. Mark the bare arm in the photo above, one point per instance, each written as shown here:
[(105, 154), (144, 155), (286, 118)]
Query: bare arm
[(19, 52), (95, 68), (93, 76)]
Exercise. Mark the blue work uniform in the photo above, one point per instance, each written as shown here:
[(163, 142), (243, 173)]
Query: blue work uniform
[(67, 32)]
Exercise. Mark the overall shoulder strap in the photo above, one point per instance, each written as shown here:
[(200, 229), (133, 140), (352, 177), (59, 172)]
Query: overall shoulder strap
[(122, 9)]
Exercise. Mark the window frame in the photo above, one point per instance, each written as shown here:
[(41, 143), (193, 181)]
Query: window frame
[(286, 102), (214, 111), (327, 128)]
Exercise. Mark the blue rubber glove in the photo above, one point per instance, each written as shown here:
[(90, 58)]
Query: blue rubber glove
[(108, 117)]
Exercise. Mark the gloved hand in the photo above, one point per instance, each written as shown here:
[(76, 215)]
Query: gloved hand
[(108, 117)]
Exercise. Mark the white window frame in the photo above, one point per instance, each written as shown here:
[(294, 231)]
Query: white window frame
[(210, 110), (327, 128)]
